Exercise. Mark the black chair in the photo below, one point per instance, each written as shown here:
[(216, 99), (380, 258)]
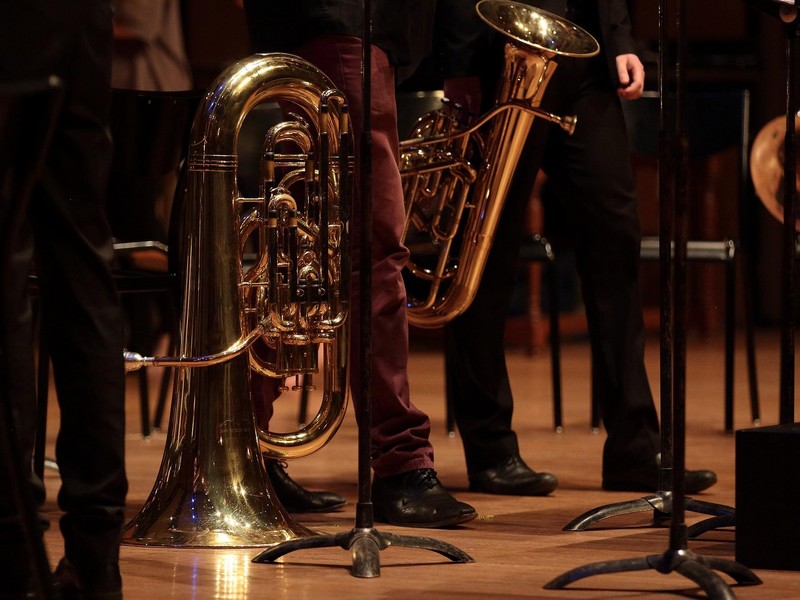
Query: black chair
[(28, 112), (150, 130), (534, 248), (716, 121), (151, 135)]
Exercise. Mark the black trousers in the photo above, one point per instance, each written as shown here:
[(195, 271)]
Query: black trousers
[(590, 175), (68, 233)]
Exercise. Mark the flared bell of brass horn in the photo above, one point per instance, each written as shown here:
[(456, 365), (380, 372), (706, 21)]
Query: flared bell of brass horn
[(212, 489), (766, 166), (456, 175)]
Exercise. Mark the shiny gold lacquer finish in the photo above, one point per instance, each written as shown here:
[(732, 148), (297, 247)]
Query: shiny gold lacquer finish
[(275, 317), (456, 178), (766, 166)]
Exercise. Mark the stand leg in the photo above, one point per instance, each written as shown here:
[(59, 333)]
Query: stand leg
[(700, 528), (660, 503), (365, 544), (696, 568), (673, 210)]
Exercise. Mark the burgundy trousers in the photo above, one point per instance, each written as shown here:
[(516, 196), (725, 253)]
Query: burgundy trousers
[(399, 431)]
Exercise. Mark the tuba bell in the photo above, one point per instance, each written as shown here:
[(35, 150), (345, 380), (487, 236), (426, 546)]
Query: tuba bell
[(279, 314), (766, 166), (456, 177)]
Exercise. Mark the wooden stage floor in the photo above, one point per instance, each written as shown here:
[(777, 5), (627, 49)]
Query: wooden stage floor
[(517, 543)]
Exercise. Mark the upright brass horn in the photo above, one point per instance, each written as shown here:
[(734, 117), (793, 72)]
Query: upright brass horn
[(766, 166), (456, 178), (212, 489)]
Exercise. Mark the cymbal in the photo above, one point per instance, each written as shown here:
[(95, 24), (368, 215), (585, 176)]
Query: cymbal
[(766, 166)]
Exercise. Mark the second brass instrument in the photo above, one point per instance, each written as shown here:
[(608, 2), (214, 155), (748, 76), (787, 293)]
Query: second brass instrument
[(456, 178)]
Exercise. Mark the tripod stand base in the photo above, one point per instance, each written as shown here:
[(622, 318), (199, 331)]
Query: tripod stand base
[(660, 503), (717, 522), (365, 544), (692, 566)]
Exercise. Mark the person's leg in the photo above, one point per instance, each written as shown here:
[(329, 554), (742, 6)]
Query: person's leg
[(292, 496), (592, 173), (406, 490), (478, 386), (399, 429), (80, 307)]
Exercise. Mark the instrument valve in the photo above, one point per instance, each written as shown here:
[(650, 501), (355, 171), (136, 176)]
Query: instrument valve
[(297, 385)]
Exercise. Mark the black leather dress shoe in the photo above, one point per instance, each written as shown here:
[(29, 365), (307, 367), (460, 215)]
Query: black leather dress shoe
[(297, 499), (101, 583), (417, 499), (512, 477), (644, 478)]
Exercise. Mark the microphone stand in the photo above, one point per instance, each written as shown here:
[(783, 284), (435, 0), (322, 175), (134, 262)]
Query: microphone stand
[(364, 540), (787, 12), (661, 503), (673, 214)]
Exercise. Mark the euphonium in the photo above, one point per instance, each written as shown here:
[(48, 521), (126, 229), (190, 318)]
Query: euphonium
[(455, 178), (275, 316)]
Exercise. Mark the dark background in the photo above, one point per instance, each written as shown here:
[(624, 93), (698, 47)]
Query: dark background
[(731, 45)]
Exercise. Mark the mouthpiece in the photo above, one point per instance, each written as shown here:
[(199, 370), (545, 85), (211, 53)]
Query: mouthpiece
[(133, 361), (568, 123)]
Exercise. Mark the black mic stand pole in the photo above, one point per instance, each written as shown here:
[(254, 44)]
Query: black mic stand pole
[(661, 503), (788, 14), (677, 558), (365, 541)]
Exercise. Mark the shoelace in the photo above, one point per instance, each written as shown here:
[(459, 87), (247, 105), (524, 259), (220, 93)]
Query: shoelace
[(424, 478)]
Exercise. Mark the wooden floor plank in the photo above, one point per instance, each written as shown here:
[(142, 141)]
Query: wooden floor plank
[(517, 543)]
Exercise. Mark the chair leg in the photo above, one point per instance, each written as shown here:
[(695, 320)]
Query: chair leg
[(171, 314), (42, 391), (730, 324), (555, 348), (595, 407), (163, 394), (449, 418), (144, 402), (139, 316), (750, 342)]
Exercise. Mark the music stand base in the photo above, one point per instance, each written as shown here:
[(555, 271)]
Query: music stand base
[(660, 503), (699, 569), (717, 522), (365, 544)]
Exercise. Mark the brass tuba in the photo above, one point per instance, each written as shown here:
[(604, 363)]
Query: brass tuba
[(766, 166), (276, 315), (456, 177)]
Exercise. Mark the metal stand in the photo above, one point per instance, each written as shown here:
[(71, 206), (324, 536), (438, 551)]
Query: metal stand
[(787, 12), (662, 502), (365, 541), (673, 213)]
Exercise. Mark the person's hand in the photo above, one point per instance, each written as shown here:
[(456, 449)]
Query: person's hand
[(630, 72), (465, 91)]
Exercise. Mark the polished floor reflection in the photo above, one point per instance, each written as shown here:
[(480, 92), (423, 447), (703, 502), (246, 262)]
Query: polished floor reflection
[(518, 543)]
